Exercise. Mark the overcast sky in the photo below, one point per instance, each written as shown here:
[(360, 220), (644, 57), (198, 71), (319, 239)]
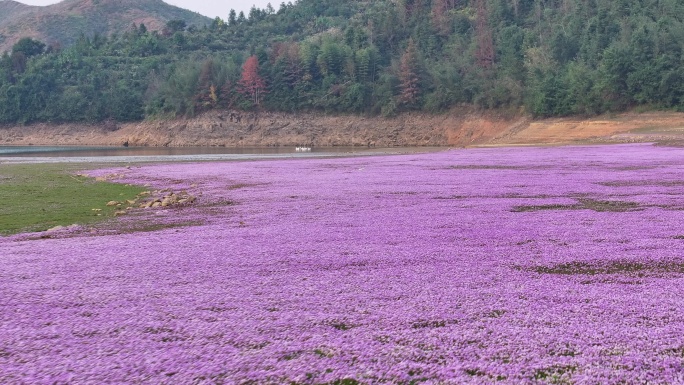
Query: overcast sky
[(211, 8)]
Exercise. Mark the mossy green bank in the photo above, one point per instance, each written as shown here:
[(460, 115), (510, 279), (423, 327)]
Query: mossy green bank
[(37, 197)]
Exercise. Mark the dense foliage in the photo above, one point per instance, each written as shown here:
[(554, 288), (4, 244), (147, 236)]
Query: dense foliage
[(549, 57)]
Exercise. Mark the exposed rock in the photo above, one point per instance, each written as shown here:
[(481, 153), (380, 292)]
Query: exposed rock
[(112, 203), (168, 200)]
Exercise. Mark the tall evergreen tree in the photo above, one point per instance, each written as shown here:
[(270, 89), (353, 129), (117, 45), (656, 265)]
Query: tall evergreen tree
[(483, 32), (409, 77)]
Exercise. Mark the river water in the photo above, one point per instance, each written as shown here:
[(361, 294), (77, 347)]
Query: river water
[(72, 154)]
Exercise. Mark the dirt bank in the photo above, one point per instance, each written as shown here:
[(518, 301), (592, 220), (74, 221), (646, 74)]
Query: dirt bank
[(459, 127)]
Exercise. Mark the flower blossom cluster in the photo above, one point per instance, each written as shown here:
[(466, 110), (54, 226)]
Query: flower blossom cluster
[(477, 266)]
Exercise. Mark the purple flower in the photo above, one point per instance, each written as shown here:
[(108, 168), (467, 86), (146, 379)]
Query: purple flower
[(513, 265)]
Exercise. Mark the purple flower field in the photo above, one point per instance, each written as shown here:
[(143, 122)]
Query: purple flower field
[(512, 266)]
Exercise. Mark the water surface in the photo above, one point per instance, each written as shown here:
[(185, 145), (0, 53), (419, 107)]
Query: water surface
[(86, 154)]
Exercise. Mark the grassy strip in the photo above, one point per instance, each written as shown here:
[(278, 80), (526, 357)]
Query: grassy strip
[(37, 197)]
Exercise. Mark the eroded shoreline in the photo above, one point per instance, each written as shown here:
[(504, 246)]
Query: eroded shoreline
[(464, 127)]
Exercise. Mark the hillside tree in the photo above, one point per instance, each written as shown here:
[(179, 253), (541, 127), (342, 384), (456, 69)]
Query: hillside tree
[(251, 84), (409, 77)]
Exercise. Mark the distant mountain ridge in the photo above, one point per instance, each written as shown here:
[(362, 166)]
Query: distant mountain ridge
[(10, 9), (64, 22)]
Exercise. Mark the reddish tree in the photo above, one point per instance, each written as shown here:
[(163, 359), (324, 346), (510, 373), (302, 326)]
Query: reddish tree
[(408, 75), (251, 84), (440, 15), (483, 32)]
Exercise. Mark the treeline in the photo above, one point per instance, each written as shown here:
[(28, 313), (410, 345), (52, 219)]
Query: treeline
[(548, 57)]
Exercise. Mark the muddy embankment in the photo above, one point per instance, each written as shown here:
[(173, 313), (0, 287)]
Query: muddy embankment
[(459, 127)]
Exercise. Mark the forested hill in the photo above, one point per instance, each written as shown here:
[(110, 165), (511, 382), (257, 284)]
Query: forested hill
[(543, 57), (63, 23)]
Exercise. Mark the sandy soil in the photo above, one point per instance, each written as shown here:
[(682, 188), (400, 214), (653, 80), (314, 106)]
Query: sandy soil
[(622, 128), (459, 127)]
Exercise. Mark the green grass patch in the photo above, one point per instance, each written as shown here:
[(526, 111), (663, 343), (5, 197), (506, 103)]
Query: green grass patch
[(37, 197)]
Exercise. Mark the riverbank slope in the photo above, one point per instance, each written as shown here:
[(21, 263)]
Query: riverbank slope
[(458, 127)]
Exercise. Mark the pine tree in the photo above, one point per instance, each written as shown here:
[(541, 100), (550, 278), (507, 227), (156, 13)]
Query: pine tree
[(410, 7), (440, 15), (408, 75), (229, 95), (207, 93), (295, 69), (241, 19), (483, 33)]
